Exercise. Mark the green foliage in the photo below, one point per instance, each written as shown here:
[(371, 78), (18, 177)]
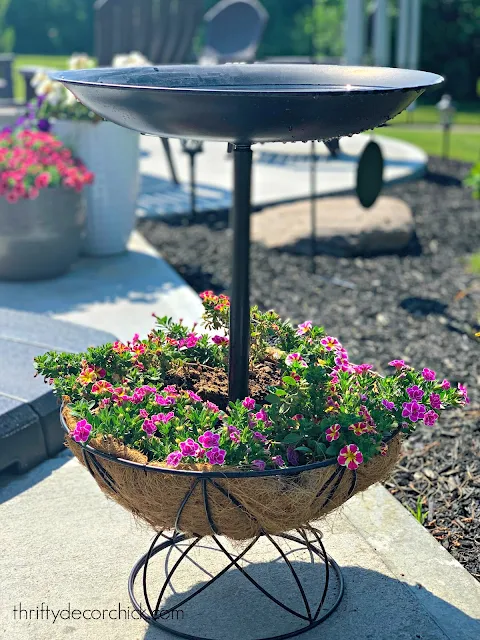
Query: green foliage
[(473, 181), (7, 33), (418, 513)]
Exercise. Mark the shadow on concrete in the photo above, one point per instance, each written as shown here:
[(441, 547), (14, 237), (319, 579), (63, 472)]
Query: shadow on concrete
[(374, 607), (12, 485), (135, 276)]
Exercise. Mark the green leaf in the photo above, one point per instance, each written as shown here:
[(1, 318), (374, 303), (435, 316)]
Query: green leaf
[(289, 380), (321, 447), (303, 449), (272, 399), (280, 392), (333, 449), (291, 438)]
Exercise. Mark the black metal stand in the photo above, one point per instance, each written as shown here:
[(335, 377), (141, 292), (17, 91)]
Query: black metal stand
[(240, 287), (310, 615), (313, 205)]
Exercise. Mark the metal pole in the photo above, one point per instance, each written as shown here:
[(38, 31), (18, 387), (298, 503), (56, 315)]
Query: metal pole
[(313, 205), (240, 287), (193, 204)]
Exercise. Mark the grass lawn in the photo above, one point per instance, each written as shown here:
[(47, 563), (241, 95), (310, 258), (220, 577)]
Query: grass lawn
[(467, 113), (464, 145), (56, 62)]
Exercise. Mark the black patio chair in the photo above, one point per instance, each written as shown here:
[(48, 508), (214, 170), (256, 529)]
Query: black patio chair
[(234, 29)]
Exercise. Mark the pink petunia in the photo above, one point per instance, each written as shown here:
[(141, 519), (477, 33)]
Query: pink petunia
[(216, 455), (330, 343), (174, 459), (189, 447), (304, 328), (209, 440), (428, 374), (249, 403), (350, 456), (295, 359), (82, 430), (398, 364), (258, 465), (430, 418), (333, 432), (194, 396)]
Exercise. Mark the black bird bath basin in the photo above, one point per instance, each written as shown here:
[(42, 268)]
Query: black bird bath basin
[(243, 104)]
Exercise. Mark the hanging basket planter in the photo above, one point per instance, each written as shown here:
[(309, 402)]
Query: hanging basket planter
[(239, 504)]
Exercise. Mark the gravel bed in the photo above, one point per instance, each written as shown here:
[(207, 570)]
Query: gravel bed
[(422, 306)]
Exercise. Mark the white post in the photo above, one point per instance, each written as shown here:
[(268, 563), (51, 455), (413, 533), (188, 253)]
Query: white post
[(381, 35), (403, 34), (354, 32), (415, 35)]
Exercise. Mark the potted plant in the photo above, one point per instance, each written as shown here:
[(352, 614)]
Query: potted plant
[(41, 205), (152, 421), (112, 152)]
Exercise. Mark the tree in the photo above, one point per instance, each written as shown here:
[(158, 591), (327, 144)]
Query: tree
[(7, 34)]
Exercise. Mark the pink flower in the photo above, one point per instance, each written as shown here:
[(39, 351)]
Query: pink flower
[(415, 393), (259, 436), (249, 403), (216, 455), (350, 456), (262, 415), (171, 390), (258, 465), (398, 364), (192, 340), (278, 461), (209, 440), (143, 413), (462, 390), (359, 428), (430, 418), (445, 384), (102, 386), (330, 343), (297, 417), (413, 411), (234, 434), (82, 430), (189, 447), (383, 449), (388, 405), (149, 427), (362, 368), (295, 359), (304, 328), (194, 396), (435, 401), (428, 374), (174, 459), (164, 402), (333, 432), (219, 339), (212, 406)]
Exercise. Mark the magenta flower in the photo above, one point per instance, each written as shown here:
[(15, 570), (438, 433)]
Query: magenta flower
[(297, 417), (292, 456), (430, 418), (171, 390), (295, 359), (216, 455), (220, 339), (258, 465), (435, 401), (462, 390), (428, 374), (143, 413), (278, 461), (149, 427), (212, 406), (164, 402), (445, 384), (262, 415), (350, 456), (413, 411), (249, 403), (194, 396), (82, 430), (362, 368), (189, 447), (163, 417), (209, 440), (234, 433), (330, 343), (415, 393), (388, 405), (259, 436), (174, 459), (304, 328), (333, 432), (398, 364)]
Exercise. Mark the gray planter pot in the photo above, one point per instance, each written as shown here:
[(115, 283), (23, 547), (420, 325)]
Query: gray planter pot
[(40, 238)]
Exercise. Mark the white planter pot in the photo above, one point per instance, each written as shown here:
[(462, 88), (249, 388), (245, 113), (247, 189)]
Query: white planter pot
[(112, 153)]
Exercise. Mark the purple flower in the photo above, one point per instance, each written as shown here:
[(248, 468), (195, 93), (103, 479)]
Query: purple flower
[(259, 436), (413, 411), (219, 339), (292, 456), (44, 125), (445, 384), (398, 364), (249, 403), (415, 392), (189, 447), (258, 465), (430, 418), (278, 460), (388, 405), (209, 440), (149, 427), (82, 430), (435, 401), (212, 406), (262, 415), (174, 458), (428, 374), (216, 455), (462, 390), (194, 396), (163, 417)]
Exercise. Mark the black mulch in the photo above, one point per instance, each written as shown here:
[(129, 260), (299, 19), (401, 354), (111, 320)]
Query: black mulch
[(422, 306)]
